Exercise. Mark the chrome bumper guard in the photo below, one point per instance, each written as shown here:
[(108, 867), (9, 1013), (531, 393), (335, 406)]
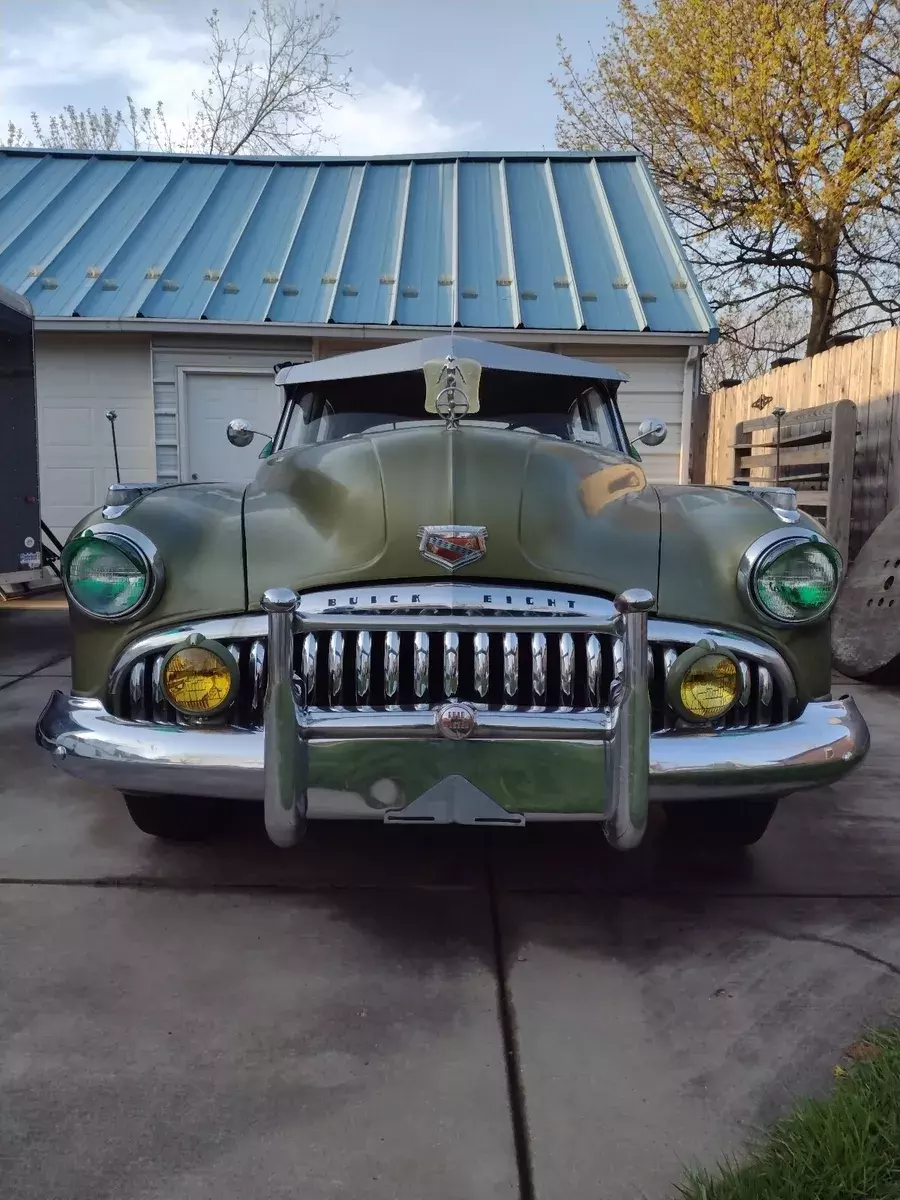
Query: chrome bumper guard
[(823, 744)]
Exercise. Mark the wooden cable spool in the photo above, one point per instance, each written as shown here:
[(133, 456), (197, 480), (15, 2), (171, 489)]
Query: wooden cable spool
[(865, 630)]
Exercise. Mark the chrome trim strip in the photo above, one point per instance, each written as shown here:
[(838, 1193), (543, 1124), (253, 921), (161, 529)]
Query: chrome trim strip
[(539, 666), (391, 664), (308, 666), (420, 665), (594, 671), (335, 665), (363, 665), (822, 745), (451, 664), (510, 665), (566, 667), (482, 646)]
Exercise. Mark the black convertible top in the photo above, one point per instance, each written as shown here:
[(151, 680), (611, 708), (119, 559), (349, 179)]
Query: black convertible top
[(406, 357)]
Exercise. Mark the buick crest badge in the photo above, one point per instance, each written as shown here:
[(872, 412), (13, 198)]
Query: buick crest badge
[(452, 546)]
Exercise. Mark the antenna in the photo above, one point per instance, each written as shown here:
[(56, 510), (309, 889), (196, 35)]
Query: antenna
[(111, 415)]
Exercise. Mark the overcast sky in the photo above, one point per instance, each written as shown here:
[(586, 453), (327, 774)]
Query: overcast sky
[(429, 74)]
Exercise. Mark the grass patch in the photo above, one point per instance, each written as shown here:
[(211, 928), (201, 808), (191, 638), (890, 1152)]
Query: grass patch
[(844, 1148)]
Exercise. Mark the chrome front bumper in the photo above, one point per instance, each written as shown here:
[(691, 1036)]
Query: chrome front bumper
[(397, 766)]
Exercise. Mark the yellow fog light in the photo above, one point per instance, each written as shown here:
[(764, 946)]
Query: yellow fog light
[(200, 678), (704, 683)]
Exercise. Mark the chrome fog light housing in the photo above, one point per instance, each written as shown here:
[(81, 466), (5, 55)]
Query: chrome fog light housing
[(704, 682), (790, 579), (111, 572)]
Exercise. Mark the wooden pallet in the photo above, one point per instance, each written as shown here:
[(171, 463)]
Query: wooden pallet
[(809, 449)]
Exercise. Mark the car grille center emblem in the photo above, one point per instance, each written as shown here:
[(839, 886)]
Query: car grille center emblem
[(452, 546), (456, 720)]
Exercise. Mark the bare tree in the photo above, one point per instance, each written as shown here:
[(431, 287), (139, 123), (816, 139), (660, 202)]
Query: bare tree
[(268, 88)]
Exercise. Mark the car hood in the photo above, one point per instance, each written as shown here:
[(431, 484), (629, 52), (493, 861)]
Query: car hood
[(350, 511)]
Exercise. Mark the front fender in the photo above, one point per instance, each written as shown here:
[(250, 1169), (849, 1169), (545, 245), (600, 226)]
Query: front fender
[(705, 531), (197, 529)]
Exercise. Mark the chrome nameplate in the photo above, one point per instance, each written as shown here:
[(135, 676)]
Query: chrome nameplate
[(437, 598)]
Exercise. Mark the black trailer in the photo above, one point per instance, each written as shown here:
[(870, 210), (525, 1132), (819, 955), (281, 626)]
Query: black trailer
[(22, 554)]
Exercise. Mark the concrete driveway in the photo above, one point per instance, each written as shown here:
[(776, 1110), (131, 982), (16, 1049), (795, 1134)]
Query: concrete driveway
[(389, 1013)]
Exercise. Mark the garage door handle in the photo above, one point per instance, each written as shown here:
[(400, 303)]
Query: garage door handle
[(194, 476)]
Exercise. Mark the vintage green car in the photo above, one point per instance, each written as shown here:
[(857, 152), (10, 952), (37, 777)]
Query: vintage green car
[(451, 596)]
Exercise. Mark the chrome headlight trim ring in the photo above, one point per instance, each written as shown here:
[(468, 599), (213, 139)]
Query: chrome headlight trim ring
[(765, 550), (138, 543)]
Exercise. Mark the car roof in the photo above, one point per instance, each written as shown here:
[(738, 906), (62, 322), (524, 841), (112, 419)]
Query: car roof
[(404, 357)]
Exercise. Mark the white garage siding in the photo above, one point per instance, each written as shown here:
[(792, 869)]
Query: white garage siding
[(656, 388), (79, 376)]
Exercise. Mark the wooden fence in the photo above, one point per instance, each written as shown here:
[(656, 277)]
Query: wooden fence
[(867, 372)]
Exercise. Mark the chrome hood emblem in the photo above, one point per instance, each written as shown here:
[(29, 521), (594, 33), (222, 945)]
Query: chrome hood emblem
[(452, 546)]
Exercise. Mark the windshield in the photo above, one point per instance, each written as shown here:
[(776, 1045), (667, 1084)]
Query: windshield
[(563, 409)]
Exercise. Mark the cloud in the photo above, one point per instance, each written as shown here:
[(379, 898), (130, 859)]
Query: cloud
[(90, 56), (392, 118)]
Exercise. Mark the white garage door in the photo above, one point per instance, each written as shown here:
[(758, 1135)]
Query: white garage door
[(210, 402)]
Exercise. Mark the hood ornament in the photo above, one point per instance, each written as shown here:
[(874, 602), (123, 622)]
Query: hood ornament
[(451, 388), (451, 401), (452, 546)]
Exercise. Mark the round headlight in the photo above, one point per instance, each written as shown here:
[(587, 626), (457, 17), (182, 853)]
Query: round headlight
[(106, 576), (795, 581), (201, 679), (704, 683)]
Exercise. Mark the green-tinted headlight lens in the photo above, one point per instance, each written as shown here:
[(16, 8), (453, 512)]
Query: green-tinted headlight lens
[(798, 582), (107, 577)]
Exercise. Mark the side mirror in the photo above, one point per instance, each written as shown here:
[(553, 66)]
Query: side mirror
[(241, 433), (651, 432), (266, 450)]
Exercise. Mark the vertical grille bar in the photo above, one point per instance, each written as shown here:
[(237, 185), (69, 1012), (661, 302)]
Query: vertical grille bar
[(136, 692), (618, 657), (566, 668), (764, 706), (510, 665), (391, 666), (594, 670), (538, 667), (363, 665), (482, 664), (257, 673), (742, 711), (158, 698), (310, 654), (451, 664), (420, 666), (335, 665), (235, 651)]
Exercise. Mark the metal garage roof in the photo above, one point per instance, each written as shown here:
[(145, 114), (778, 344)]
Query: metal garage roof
[(540, 241)]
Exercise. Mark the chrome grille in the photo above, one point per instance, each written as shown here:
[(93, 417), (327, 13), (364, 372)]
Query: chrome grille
[(406, 667)]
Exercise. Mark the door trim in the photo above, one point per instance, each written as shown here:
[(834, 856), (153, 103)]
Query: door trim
[(181, 396)]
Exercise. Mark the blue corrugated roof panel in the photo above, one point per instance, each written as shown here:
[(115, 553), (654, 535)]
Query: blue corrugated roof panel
[(558, 241)]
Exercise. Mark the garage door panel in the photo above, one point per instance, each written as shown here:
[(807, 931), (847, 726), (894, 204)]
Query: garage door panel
[(212, 400)]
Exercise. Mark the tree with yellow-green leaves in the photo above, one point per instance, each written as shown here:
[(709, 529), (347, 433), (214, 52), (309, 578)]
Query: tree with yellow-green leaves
[(772, 128)]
